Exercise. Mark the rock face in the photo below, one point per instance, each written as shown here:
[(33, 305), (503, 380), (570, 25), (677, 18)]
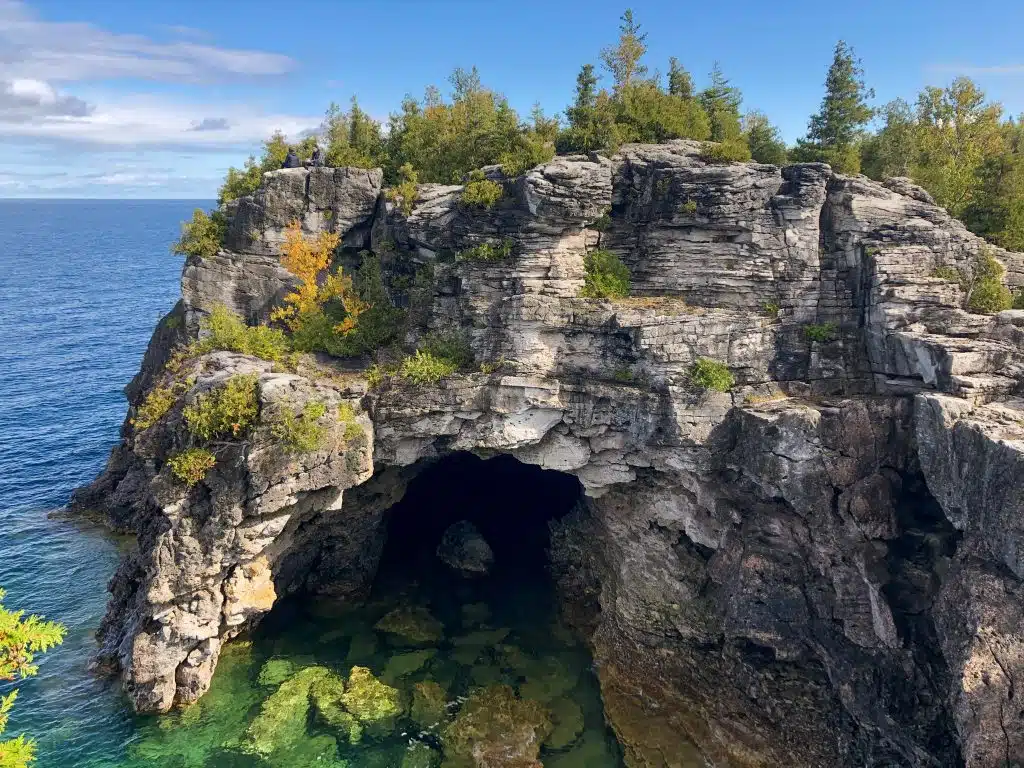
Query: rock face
[(820, 567), (464, 549)]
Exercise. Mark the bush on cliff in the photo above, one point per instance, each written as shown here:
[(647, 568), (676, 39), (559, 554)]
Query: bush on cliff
[(321, 314), (730, 151), (303, 432), (981, 284), (481, 192), (426, 368), (202, 236), (227, 411), (191, 465), (405, 192), (487, 251), (156, 403), (606, 276), (227, 331), (21, 637), (711, 374)]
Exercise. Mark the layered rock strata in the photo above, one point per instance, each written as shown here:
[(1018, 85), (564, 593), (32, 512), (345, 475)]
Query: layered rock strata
[(819, 567)]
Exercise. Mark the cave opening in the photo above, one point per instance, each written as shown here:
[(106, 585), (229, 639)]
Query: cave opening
[(429, 626), (509, 503)]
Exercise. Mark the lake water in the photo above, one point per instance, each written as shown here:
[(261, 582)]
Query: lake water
[(83, 284)]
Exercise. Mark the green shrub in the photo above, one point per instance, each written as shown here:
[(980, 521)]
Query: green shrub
[(226, 331), (487, 251), (947, 273), (624, 375), (347, 418), (154, 406), (1018, 299), (606, 276), (191, 466), (772, 309), (203, 236), (405, 193), (379, 325), (302, 433), (603, 222), (711, 374), (425, 368), (688, 208), (728, 151), (982, 284), (227, 411), (821, 332), (449, 345), (481, 192)]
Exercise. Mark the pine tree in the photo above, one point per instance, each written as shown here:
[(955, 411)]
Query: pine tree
[(21, 638), (722, 101), (591, 117), (766, 146), (680, 83), (833, 132), (623, 60)]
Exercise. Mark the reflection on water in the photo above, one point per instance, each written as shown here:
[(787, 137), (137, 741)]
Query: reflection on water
[(435, 641)]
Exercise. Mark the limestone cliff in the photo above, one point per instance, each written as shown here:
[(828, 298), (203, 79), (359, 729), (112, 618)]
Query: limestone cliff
[(820, 567)]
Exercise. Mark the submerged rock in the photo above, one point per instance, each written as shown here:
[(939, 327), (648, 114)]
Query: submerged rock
[(281, 721), (327, 696), (464, 549), (411, 626), (496, 729), (568, 721), (275, 671), (406, 663), (429, 705), (374, 704), (419, 755)]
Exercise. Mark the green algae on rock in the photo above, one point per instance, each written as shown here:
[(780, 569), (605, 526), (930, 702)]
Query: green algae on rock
[(411, 626), (497, 729), (282, 718), (429, 704), (568, 720), (326, 696), (276, 671), (404, 664), (374, 704), (549, 678), (419, 755)]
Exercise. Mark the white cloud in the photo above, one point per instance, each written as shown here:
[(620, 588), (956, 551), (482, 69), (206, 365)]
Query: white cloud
[(25, 100), (67, 51)]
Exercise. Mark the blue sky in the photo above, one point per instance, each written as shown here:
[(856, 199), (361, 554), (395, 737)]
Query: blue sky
[(117, 98)]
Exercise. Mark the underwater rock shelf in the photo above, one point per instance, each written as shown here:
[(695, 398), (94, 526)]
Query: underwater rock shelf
[(819, 566)]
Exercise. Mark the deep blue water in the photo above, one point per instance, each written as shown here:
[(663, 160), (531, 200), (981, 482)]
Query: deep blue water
[(82, 284)]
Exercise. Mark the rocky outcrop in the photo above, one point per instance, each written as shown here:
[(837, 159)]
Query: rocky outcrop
[(819, 567)]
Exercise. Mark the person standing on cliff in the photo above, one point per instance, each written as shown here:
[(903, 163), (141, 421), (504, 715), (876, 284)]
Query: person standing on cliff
[(291, 160), (317, 160)]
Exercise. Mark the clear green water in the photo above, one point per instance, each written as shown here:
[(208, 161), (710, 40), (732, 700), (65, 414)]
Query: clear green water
[(525, 647)]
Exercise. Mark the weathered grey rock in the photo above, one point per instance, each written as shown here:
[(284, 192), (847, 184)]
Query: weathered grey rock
[(464, 549), (820, 567)]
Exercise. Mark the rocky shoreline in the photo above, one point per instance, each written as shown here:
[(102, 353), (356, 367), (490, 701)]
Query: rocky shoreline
[(821, 566)]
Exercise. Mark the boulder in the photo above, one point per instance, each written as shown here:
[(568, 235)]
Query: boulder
[(464, 549)]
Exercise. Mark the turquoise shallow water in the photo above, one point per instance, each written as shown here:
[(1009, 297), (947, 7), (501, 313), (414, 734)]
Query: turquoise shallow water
[(83, 285)]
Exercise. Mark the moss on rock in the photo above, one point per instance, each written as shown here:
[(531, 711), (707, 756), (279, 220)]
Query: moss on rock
[(282, 718), (374, 704), (411, 626), (404, 664), (275, 671), (429, 704), (419, 755), (568, 721), (496, 729)]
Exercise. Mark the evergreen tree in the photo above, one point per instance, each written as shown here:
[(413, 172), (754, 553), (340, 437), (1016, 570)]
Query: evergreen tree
[(833, 132), (721, 102), (680, 83), (21, 637), (591, 117), (623, 59), (766, 146)]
